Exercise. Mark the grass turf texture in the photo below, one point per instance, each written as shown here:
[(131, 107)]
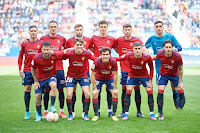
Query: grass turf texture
[(176, 120)]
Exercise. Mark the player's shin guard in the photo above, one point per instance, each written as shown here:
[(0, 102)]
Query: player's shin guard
[(137, 98), (73, 101), (123, 97), (160, 101), (46, 98), (181, 97), (114, 102), (127, 100), (38, 108), (83, 100), (53, 99), (69, 105), (87, 105), (150, 100), (27, 98), (109, 98), (61, 98), (95, 106), (176, 99)]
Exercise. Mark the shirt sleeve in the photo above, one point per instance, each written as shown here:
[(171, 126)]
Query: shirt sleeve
[(58, 55), (148, 43), (67, 45), (94, 67), (115, 67), (180, 61), (122, 58), (176, 44), (34, 63), (20, 57), (64, 42), (92, 57), (115, 44), (91, 43)]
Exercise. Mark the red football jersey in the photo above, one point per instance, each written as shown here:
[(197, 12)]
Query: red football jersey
[(169, 65), (138, 66), (97, 43), (29, 49), (125, 46), (104, 71), (78, 64), (57, 44), (70, 42), (46, 67)]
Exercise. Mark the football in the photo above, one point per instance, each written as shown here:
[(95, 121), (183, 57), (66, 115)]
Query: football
[(52, 117)]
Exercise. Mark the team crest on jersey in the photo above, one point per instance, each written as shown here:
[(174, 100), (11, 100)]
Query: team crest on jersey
[(172, 62), (58, 41), (84, 42), (83, 58), (110, 67), (52, 61), (131, 44), (108, 41), (38, 46), (142, 62)]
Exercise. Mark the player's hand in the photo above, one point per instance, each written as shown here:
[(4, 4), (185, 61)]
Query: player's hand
[(146, 52), (36, 85), (150, 85), (95, 92), (180, 85), (21, 73)]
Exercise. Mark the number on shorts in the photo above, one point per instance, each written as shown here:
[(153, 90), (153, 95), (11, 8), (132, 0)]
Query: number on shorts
[(97, 82), (69, 80)]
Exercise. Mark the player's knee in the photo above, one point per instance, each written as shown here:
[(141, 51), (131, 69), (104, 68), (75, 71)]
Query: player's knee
[(54, 86), (69, 96), (87, 95)]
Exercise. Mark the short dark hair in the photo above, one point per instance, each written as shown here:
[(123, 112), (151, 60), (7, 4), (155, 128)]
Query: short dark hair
[(167, 41), (46, 44), (78, 25), (78, 40), (103, 22), (104, 49), (126, 26), (33, 26), (52, 21), (137, 44), (158, 22)]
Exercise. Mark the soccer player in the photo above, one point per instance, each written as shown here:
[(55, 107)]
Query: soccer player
[(171, 69), (77, 73), (58, 42), (45, 63), (156, 42), (97, 42), (138, 74), (104, 71), (78, 30), (125, 45), (29, 49)]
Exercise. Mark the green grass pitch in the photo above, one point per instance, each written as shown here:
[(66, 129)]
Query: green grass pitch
[(176, 120)]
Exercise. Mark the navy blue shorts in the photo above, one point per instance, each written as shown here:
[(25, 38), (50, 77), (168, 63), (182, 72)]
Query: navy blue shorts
[(138, 81), (123, 78), (71, 82), (163, 80), (60, 75), (44, 84), (109, 83), (28, 79)]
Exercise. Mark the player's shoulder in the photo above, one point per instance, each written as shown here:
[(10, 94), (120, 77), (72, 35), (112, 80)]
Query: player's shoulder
[(160, 52), (98, 60), (112, 60), (38, 56), (169, 35), (71, 39), (147, 56), (60, 36), (85, 51), (86, 38), (176, 54), (43, 37), (71, 51), (120, 38), (110, 37), (94, 36)]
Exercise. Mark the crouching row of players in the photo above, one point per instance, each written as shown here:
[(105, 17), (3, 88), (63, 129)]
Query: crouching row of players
[(104, 71)]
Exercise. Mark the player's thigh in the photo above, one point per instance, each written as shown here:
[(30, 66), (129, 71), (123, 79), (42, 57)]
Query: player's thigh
[(145, 81), (28, 78), (69, 92), (52, 82), (132, 82), (71, 82), (86, 90), (123, 78), (163, 80), (99, 84), (174, 80), (60, 76), (27, 88)]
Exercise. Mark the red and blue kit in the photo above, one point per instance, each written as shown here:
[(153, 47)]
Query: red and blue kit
[(98, 42)]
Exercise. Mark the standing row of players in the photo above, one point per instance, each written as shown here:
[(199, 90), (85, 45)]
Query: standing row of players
[(121, 45)]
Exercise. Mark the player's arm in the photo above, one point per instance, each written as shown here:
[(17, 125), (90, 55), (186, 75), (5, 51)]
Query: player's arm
[(36, 83), (176, 44), (115, 73), (146, 46), (122, 58), (180, 75), (93, 80), (144, 49), (154, 57), (20, 61)]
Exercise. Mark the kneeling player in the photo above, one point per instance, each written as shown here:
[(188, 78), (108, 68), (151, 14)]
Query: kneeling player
[(138, 74), (46, 72), (103, 70), (171, 69)]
